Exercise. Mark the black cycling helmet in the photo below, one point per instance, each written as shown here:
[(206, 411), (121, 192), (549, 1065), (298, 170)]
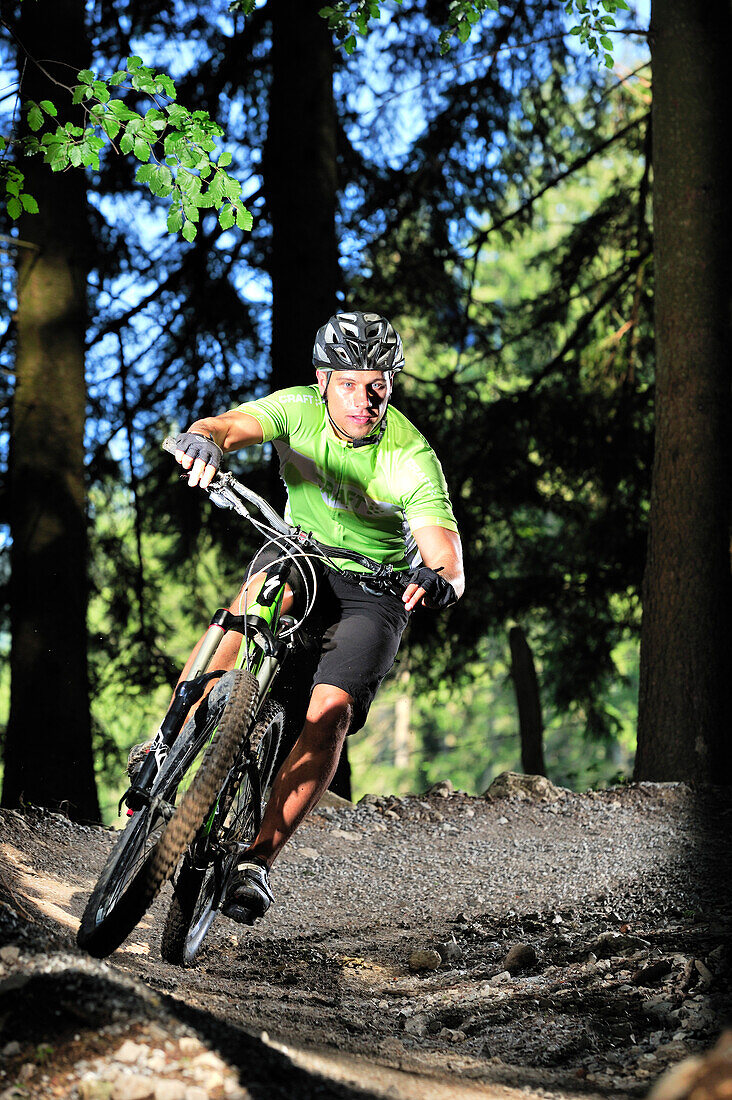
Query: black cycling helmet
[(358, 341)]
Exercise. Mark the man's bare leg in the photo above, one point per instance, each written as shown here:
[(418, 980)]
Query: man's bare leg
[(306, 772)]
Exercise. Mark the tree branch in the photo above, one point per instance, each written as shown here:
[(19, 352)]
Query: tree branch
[(483, 236)]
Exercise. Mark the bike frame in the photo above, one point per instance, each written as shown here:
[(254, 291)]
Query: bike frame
[(261, 651)]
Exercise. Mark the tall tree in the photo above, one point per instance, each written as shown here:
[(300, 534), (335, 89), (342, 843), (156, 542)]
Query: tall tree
[(48, 755), (300, 184), (685, 704)]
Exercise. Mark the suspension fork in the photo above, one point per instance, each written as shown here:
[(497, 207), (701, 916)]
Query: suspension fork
[(262, 653)]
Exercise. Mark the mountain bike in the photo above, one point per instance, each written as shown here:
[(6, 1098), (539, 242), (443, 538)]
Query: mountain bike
[(200, 792)]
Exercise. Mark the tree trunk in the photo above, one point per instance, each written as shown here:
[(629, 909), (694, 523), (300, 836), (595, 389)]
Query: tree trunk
[(685, 703), (300, 176), (531, 724), (300, 180), (48, 754)]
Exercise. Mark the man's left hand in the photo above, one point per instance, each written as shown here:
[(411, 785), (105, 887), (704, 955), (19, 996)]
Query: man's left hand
[(429, 587)]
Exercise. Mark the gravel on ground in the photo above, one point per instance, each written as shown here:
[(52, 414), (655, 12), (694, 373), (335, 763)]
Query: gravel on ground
[(533, 941)]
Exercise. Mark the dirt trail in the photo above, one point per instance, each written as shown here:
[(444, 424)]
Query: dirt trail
[(614, 904)]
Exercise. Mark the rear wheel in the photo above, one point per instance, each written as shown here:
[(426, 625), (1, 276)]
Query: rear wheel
[(147, 852), (197, 891)]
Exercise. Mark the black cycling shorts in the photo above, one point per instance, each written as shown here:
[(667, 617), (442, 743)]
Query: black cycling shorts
[(351, 641)]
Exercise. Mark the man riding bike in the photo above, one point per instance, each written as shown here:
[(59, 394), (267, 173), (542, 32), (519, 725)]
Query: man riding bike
[(357, 478)]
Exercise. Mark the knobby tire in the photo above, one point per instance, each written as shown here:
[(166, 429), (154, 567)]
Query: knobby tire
[(190, 914), (169, 840)]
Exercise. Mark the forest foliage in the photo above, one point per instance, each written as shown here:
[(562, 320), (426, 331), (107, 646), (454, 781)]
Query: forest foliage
[(497, 210)]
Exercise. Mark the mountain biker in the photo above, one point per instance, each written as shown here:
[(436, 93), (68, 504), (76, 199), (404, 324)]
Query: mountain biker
[(358, 475)]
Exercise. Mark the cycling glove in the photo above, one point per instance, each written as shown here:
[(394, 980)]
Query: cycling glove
[(439, 592), (200, 446)]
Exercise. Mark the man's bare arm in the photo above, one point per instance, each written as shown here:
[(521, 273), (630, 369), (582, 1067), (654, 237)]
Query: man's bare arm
[(230, 431), (442, 551)]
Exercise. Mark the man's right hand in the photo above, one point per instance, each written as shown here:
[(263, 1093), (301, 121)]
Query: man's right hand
[(200, 454)]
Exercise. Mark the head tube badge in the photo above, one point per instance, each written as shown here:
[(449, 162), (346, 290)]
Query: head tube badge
[(273, 583)]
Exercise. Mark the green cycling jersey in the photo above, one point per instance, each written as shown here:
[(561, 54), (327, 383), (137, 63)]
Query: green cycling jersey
[(370, 499)]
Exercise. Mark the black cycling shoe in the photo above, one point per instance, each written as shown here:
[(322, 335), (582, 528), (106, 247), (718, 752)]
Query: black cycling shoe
[(247, 894)]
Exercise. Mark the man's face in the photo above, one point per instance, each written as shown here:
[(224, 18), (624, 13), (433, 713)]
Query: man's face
[(357, 399)]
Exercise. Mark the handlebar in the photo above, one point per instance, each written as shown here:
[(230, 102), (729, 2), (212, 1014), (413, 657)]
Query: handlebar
[(226, 492)]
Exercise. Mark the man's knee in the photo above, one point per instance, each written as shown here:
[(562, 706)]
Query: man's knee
[(330, 713)]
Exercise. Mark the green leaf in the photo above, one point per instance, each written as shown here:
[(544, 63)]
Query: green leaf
[(111, 127), (606, 42), (127, 143), (227, 217), (147, 132), (164, 82), (144, 173), (185, 180), (86, 76), (142, 149), (161, 183), (48, 107), (350, 44), (608, 60), (175, 219), (35, 116), (117, 108), (14, 208), (79, 93), (216, 191), (178, 115), (463, 30), (189, 231), (117, 78), (244, 219), (29, 204), (224, 159), (142, 82), (187, 157), (232, 187), (101, 91), (133, 62)]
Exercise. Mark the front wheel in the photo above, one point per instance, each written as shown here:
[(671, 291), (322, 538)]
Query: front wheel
[(147, 852), (198, 889)]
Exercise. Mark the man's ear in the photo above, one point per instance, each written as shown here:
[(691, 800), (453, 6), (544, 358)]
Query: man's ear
[(322, 377)]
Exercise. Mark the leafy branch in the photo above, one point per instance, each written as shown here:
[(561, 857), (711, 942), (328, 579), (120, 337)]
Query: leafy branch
[(349, 18), (175, 146), (595, 20)]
